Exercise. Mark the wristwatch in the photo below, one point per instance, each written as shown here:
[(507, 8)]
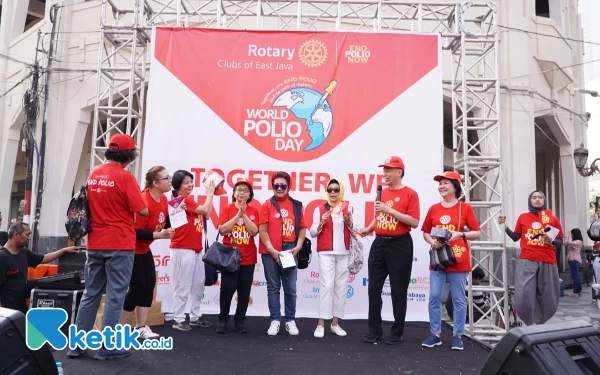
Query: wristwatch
[(464, 236)]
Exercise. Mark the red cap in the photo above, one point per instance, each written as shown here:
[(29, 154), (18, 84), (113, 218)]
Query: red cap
[(393, 162), (121, 142), (448, 175)]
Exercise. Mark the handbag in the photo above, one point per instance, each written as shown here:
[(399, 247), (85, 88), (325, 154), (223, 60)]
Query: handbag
[(222, 258), (211, 276), (355, 258), (440, 259)]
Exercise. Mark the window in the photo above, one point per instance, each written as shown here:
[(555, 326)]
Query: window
[(542, 8)]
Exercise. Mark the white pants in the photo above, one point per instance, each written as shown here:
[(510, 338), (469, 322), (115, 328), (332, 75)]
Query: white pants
[(334, 274), (596, 265), (188, 282)]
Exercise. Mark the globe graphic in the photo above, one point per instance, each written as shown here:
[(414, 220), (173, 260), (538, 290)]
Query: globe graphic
[(304, 104)]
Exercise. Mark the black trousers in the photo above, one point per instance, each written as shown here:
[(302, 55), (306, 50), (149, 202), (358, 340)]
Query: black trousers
[(391, 256), (143, 280), (240, 281)]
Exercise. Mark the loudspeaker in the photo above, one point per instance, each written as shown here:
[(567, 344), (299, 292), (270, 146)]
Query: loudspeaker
[(16, 357), (562, 348), (67, 300)]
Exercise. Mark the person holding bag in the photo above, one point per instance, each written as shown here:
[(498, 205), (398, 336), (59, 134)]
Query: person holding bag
[(331, 227), (238, 224), (453, 215)]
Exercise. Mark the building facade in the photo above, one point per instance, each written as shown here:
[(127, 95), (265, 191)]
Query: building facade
[(542, 114)]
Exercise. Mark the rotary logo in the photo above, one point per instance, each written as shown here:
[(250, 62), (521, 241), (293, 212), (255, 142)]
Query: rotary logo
[(536, 225), (445, 220), (284, 213), (240, 221), (312, 53), (161, 218), (390, 204)]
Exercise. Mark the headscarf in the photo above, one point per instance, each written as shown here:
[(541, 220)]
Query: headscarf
[(340, 194), (532, 209)]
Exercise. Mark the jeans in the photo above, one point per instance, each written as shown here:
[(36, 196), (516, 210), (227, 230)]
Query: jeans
[(574, 265), (276, 276), (240, 281), (391, 256), (110, 269), (458, 282)]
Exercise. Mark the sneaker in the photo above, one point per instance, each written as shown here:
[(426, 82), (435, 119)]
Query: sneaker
[(74, 353), (432, 341), (338, 330), (457, 343), (319, 332), (372, 338), (183, 326), (201, 322), (221, 327), (291, 328), (104, 354), (146, 333), (274, 328), (240, 327), (394, 340)]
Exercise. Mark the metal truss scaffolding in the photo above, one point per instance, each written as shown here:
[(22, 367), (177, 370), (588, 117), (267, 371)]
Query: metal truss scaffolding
[(470, 48)]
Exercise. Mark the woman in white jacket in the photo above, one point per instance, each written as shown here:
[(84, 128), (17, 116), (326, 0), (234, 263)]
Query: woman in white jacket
[(331, 223)]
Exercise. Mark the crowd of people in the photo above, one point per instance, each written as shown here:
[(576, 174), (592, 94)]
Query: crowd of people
[(125, 222)]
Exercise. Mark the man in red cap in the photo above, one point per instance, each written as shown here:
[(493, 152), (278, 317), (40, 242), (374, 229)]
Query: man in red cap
[(114, 199), (396, 213)]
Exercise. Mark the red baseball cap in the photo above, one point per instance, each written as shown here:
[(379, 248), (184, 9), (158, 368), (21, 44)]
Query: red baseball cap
[(121, 142), (449, 175), (393, 162)]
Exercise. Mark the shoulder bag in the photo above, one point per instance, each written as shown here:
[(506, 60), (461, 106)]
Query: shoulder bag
[(440, 259)]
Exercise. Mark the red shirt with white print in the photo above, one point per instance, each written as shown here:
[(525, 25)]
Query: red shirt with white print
[(448, 218), (189, 236), (154, 222), (239, 236), (405, 201), (536, 250), (113, 198)]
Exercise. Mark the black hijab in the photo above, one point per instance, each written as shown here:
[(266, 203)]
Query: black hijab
[(532, 209)]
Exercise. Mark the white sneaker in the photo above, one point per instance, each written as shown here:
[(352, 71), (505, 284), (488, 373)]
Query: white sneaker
[(291, 328), (338, 330), (146, 333), (273, 329), (320, 332)]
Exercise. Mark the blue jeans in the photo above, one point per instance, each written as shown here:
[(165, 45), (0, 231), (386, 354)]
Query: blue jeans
[(276, 276), (574, 265), (110, 270), (458, 282)]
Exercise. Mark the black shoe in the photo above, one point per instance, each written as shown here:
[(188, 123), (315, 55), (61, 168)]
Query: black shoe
[(241, 328), (221, 327), (372, 339), (394, 340), (200, 322)]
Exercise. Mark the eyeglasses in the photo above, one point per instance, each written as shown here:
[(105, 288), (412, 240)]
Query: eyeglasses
[(244, 191), (333, 190), (164, 178), (280, 186)]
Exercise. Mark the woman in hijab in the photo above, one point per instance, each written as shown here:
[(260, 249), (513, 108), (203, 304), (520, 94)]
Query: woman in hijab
[(331, 227), (536, 283)]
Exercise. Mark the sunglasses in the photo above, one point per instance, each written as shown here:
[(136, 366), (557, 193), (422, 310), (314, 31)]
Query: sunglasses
[(333, 190), (280, 186)]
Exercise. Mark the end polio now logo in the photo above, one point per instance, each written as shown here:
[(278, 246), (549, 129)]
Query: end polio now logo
[(44, 326)]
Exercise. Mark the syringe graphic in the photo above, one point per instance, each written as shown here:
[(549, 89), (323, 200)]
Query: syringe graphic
[(328, 91)]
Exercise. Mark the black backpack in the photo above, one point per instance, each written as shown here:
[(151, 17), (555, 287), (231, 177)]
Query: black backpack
[(78, 216)]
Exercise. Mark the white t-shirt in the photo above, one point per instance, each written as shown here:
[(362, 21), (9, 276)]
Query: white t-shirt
[(339, 246)]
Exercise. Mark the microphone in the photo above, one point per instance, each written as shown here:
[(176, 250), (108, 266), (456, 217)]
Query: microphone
[(546, 230), (175, 194), (379, 193)]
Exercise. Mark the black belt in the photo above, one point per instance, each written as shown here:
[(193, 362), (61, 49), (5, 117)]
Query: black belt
[(391, 238)]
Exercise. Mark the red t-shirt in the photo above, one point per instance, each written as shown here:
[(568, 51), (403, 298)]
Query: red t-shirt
[(189, 236), (405, 201), (239, 236), (536, 250), (113, 197), (287, 216), (439, 216), (155, 221)]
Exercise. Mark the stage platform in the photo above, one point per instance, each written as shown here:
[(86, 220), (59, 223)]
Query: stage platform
[(202, 350)]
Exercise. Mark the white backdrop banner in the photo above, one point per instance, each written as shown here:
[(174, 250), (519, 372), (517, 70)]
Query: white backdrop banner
[(317, 105)]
